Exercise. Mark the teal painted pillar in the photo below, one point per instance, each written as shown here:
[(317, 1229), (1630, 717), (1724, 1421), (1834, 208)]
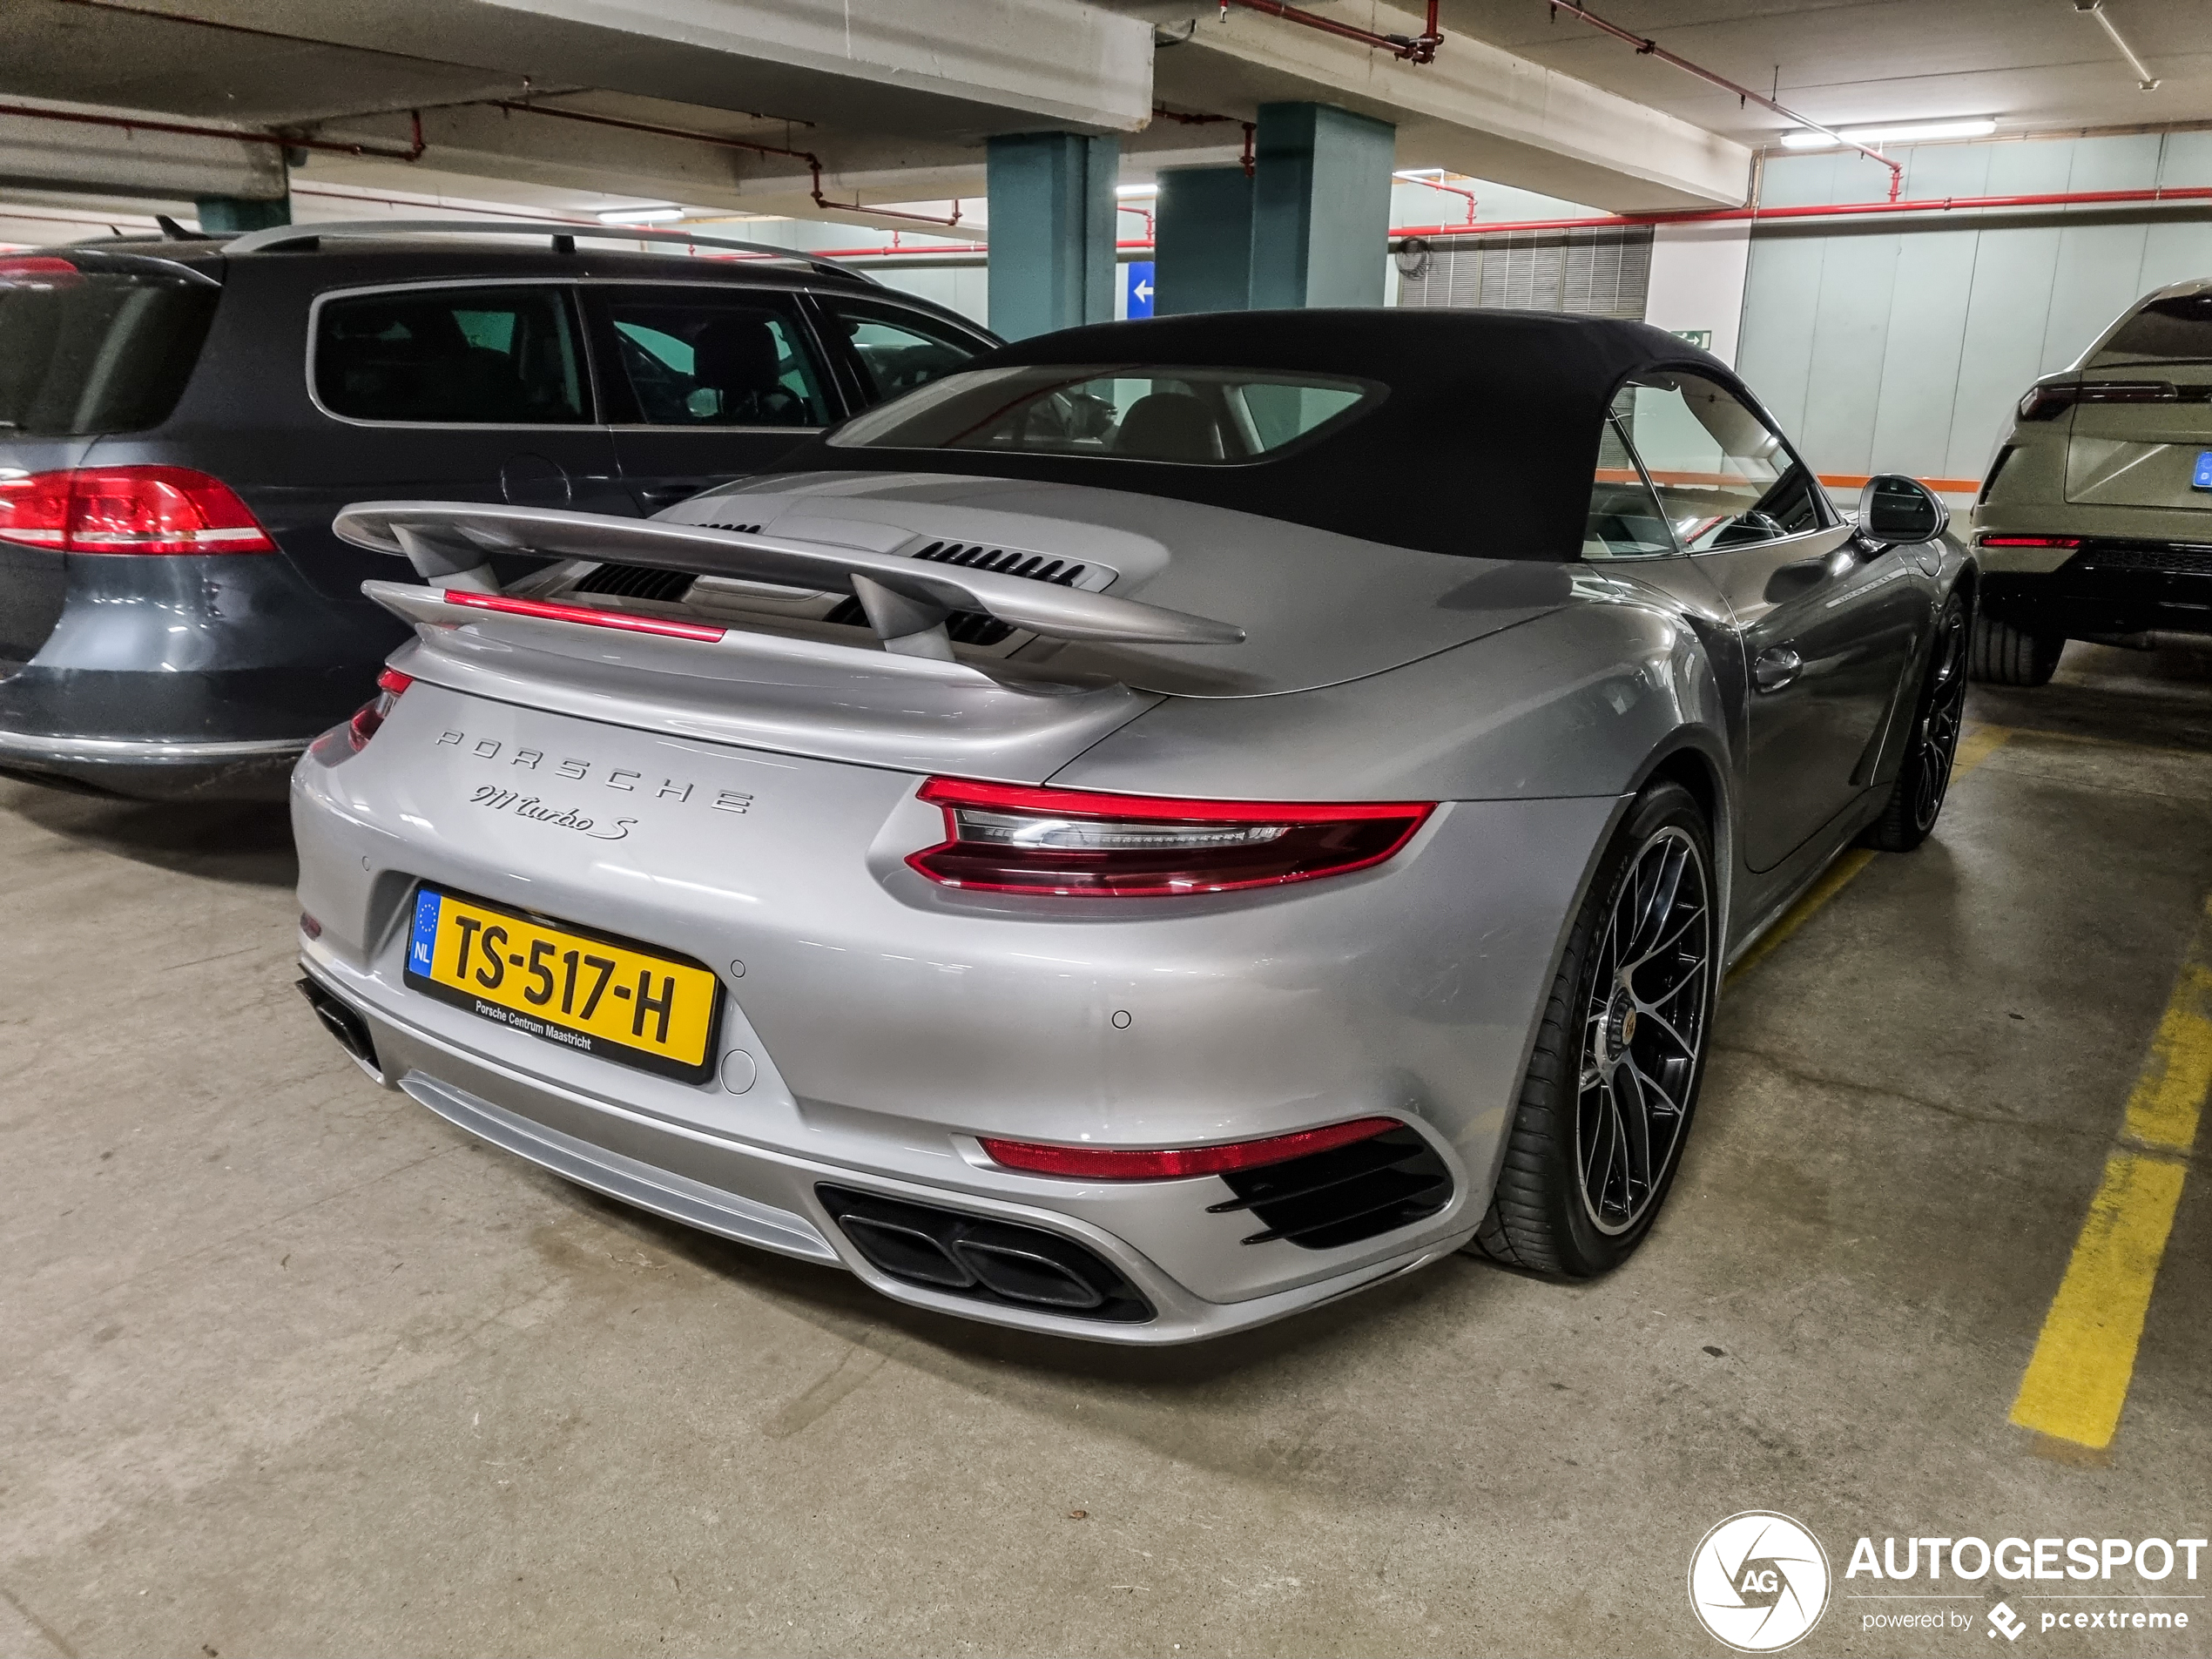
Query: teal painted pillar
[(1320, 207), (235, 215), (1202, 228), (1052, 232)]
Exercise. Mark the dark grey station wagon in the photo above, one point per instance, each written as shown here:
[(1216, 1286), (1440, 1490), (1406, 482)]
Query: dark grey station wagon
[(181, 419)]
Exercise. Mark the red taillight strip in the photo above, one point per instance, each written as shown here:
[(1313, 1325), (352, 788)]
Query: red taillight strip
[(1083, 803), (2030, 541), (1169, 1164), (584, 614)]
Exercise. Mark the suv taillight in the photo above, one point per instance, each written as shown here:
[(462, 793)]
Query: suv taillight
[(1010, 837), (129, 509), (372, 713)]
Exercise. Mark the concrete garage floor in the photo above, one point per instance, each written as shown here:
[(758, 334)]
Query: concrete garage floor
[(287, 1364)]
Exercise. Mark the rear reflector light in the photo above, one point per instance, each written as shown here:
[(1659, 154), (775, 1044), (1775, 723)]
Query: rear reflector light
[(372, 713), (1106, 1163), (2043, 402), (1010, 837), (129, 509), (584, 614), (2030, 541)]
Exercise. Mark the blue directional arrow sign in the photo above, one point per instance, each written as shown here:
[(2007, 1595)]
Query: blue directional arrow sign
[(1137, 287)]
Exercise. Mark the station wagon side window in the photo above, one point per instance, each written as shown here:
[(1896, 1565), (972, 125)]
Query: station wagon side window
[(1626, 520), (896, 350), (705, 357), (1724, 478), (461, 356)]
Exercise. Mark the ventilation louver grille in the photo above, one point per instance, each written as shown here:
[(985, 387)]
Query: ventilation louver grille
[(1587, 272), (642, 582), (973, 627), (1345, 1195), (989, 1261)]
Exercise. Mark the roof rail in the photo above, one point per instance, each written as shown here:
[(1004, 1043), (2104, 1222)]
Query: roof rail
[(285, 235)]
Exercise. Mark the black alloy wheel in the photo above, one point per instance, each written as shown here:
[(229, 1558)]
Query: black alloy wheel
[(1924, 779), (1614, 1080)]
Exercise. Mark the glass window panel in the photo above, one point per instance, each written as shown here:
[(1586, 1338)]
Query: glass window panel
[(696, 358), (461, 356)]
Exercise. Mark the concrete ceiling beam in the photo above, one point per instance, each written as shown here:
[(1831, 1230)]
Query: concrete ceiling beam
[(39, 153), (1477, 108), (943, 68)]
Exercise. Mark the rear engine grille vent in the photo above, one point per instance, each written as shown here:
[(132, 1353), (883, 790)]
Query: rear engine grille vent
[(637, 581), (988, 1261), (973, 627), (2170, 561), (1344, 1195)]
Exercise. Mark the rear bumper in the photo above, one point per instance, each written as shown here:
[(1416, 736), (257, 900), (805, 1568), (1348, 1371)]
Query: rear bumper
[(187, 677), (150, 769), (2108, 587), (769, 1197)]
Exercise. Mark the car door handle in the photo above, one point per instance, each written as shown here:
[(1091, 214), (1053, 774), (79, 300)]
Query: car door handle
[(1775, 667)]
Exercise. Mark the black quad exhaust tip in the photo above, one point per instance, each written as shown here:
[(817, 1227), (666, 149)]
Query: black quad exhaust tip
[(991, 1261), (350, 1029)]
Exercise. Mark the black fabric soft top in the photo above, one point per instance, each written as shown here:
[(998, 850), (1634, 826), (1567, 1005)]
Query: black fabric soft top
[(1485, 445)]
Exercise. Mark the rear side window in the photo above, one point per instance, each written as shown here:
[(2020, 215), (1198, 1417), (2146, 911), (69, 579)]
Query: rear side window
[(1625, 521), (897, 350), (2179, 329), (85, 352), (451, 357), (694, 357)]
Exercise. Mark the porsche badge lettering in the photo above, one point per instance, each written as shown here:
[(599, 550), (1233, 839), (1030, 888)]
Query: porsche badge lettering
[(625, 779)]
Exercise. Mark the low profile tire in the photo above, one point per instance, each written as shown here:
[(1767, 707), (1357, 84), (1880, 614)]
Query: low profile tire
[(1607, 1103), (1916, 801), (2003, 655)]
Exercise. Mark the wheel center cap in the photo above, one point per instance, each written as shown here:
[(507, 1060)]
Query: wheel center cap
[(1620, 1024)]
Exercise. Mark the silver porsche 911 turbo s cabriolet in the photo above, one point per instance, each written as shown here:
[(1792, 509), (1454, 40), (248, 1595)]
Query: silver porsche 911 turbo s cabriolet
[(1178, 822)]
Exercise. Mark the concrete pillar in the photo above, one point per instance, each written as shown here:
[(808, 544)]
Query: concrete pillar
[(1202, 228), (234, 215), (1052, 231), (1320, 207)]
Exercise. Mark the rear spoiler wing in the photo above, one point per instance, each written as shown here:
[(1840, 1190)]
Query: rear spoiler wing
[(908, 601)]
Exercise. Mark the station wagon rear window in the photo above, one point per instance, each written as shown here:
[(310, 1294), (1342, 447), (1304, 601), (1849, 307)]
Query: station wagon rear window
[(451, 357), (87, 351), (1196, 416)]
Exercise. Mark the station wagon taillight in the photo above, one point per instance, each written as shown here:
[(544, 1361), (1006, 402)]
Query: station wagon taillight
[(1073, 843), (129, 509)]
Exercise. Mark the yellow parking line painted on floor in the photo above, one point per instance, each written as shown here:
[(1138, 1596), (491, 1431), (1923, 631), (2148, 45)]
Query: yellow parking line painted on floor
[(2076, 1382), (1975, 746)]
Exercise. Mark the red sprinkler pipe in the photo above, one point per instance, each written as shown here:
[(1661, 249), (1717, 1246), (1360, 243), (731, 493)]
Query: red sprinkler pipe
[(1415, 49), (1825, 210), (131, 124), (814, 162), (1199, 118), (1653, 48), (1415, 179)]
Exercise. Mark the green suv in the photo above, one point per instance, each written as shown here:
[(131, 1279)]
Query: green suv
[(2095, 520)]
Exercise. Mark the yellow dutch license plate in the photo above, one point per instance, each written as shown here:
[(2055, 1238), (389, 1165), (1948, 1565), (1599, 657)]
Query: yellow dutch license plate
[(586, 991)]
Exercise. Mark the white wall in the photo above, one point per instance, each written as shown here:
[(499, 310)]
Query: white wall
[(1902, 345), (1697, 276)]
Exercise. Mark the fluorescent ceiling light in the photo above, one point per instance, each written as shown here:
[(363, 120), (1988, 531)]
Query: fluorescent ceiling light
[(1136, 189), (1915, 133), (640, 215)]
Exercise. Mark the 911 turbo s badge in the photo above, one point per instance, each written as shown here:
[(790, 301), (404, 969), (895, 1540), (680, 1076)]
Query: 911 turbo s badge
[(627, 780), (507, 800)]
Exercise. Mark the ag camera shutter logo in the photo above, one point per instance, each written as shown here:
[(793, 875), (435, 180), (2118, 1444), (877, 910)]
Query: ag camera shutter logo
[(1759, 1582)]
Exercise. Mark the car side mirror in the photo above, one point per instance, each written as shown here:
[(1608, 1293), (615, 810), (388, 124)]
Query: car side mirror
[(1894, 510)]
